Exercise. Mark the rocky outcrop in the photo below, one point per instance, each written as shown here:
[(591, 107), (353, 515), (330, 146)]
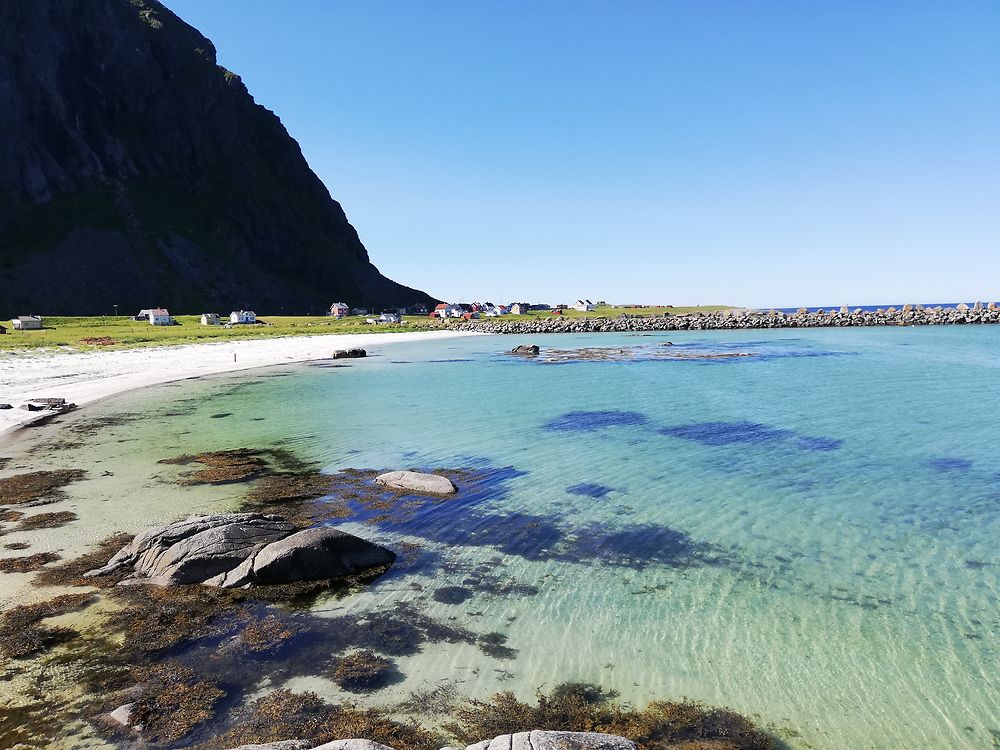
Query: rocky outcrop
[(414, 481), (241, 549), (916, 315), (136, 171), (355, 353), (525, 350)]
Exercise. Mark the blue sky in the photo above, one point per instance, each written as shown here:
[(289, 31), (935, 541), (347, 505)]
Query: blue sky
[(763, 153)]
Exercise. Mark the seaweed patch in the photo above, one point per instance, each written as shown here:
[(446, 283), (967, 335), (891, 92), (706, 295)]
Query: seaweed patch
[(716, 434), (950, 464), (37, 486)]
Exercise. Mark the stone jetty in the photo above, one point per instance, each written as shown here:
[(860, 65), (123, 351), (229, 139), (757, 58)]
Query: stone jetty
[(908, 315)]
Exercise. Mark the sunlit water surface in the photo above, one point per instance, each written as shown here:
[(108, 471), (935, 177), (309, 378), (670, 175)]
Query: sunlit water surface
[(807, 535)]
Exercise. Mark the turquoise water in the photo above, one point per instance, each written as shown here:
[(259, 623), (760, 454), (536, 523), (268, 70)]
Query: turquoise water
[(807, 535)]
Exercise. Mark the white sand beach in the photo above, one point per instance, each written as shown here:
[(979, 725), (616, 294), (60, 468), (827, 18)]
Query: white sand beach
[(84, 377)]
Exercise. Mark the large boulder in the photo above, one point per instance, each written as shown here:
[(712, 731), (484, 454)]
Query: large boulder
[(415, 481), (355, 353), (241, 549), (545, 740)]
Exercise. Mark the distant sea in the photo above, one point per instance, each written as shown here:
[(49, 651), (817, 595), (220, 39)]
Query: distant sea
[(868, 308)]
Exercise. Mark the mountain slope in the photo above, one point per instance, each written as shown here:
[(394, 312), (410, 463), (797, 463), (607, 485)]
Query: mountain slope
[(135, 171)]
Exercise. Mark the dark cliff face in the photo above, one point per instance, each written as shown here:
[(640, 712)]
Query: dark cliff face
[(136, 171)]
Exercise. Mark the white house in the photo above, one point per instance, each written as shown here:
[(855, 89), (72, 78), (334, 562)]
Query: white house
[(159, 316), (246, 317), (388, 317), (339, 310), (519, 308), (27, 322), (448, 310), (210, 319), (143, 315), (584, 305)]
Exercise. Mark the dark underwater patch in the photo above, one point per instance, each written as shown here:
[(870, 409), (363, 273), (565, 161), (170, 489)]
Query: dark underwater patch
[(726, 433), (950, 464), (586, 489), (452, 594), (585, 421), (807, 443), (747, 433)]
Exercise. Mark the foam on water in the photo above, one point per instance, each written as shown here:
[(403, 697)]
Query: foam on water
[(807, 535)]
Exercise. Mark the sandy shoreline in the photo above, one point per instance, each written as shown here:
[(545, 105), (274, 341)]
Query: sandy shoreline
[(85, 377)]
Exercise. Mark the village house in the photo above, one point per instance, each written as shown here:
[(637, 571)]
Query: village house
[(210, 319), (584, 305), (339, 310), (243, 317), (160, 316), (448, 310), (359, 311), (389, 317), (519, 308), (27, 322), (143, 316)]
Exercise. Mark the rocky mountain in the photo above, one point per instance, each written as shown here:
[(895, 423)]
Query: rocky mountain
[(135, 171)]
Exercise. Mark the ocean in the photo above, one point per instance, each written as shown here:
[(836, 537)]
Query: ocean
[(807, 535)]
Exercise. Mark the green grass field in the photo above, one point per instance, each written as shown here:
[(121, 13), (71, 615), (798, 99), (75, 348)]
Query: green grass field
[(125, 333)]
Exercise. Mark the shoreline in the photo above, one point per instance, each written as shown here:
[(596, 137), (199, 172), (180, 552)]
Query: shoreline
[(85, 377)]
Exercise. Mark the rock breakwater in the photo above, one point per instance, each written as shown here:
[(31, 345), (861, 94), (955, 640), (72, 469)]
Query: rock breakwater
[(908, 315)]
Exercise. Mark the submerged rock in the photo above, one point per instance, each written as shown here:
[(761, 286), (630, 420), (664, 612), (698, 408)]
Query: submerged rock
[(545, 740), (414, 481), (241, 549)]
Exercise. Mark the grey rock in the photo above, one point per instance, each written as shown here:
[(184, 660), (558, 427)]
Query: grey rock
[(122, 715), (282, 745), (6, 406), (317, 554), (354, 744), (415, 481), (241, 549)]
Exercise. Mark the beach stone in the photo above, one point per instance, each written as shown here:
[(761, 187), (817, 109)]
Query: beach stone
[(241, 549), (122, 715), (415, 481), (546, 740), (529, 350), (281, 745), (355, 353), (353, 745), (6, 406), (961, 306)]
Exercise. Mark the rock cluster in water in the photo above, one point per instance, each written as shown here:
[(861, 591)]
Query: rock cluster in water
[(231, 550), (908, 315)]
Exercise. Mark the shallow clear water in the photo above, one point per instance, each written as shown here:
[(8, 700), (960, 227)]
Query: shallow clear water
[(807, 535)]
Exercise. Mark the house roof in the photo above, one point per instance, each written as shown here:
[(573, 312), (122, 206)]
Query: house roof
[(159, 311), (442, 306), (29, 317)]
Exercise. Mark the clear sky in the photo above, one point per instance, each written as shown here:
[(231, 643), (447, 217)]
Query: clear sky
[(766, 153)]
